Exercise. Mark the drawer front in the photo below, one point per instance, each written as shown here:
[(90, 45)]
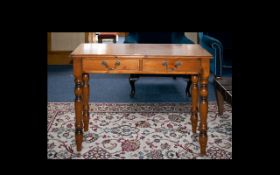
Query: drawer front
[(170, 66), (110, 64)]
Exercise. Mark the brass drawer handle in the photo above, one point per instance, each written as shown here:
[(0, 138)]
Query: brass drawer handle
[(176, 65), (117, 63), (105, 64), (165, 64)]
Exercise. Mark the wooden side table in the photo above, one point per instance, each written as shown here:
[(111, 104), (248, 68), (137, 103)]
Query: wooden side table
[(223, 86), (158, 59)]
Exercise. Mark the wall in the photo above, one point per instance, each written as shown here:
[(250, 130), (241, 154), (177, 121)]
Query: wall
[(61, 44), (192, 36), (66, 41)]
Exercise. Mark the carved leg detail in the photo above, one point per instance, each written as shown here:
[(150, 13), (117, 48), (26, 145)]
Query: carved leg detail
[(194, 102), (78, 112), (203, 115), (85, 101)]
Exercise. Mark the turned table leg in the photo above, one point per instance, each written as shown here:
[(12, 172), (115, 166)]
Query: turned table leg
[(78, 113), (194, 102), (85, 101), (203, 114)]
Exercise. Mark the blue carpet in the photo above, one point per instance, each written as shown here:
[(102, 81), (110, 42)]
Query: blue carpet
[(116, 88)]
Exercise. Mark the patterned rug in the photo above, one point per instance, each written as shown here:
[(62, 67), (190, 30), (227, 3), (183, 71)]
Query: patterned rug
[(137, 131)]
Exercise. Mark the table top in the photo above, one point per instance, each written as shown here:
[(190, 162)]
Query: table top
[(109, 49)]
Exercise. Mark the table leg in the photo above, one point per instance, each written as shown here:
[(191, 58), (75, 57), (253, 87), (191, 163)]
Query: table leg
[(78, 113), (203, 114), (85, 100), (194, 102)]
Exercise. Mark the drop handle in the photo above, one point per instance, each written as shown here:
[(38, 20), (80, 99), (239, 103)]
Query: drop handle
[(165, 64), (177, 64), (105, 64), (117, 63)]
